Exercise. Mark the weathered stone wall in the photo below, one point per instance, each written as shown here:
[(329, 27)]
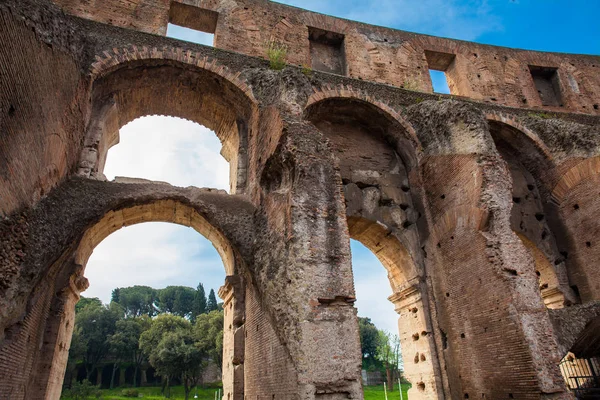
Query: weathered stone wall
[(516, 78)]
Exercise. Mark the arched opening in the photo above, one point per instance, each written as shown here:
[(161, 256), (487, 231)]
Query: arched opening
[(376, 156), (530, 167), (167, 269), (167, 149), (171, 211), (161, 87), (412, 315)]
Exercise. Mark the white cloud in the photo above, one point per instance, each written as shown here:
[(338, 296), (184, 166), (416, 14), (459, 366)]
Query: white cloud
[(179, 152), (153, 254), (169, 149)]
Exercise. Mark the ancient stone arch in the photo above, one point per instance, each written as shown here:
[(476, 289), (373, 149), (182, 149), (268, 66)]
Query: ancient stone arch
[(193, 89), (426, 181)]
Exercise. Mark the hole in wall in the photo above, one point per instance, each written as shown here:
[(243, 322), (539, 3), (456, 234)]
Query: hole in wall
[(576, 207), (588, 244), (444, 339), (192, 24), (539, 216), (547, 84), (439, 82)]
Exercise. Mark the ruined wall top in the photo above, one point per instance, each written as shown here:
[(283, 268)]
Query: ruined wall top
[(498, 75)]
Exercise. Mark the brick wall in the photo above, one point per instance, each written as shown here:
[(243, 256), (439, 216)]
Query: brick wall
[(481, 338), (20, 349), (492, 74), (39, 115), (269, 370)]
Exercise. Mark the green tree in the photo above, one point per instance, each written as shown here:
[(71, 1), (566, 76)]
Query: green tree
[(97, 325), (211, 305), (388, 352), (209, 335), (369, 341), (125, 344), (159, 328), (199, 302), (87, 302), (136, 300), (177, 355), (178, 300)]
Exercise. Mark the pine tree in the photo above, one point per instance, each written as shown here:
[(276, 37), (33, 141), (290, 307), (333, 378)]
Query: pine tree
[(199, 302), (211, 305)]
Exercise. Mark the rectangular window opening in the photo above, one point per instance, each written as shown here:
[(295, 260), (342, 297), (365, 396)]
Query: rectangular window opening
[(192, 24), (327, 51), (438, 65), (547, 84), (439, 81)]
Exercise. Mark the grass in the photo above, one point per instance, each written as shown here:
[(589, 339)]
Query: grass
[(277, 54), (153, 393), (377, 393)]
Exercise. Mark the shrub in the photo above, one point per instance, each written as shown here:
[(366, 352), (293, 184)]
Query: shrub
[(277, 53), (130, 393), (82, 390)]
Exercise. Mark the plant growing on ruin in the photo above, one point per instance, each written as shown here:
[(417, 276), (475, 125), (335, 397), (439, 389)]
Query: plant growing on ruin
[(277, 54), (307, 71)]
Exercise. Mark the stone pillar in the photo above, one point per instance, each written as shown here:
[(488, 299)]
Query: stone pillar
[(233, 295), (418, 346), (57, 339)]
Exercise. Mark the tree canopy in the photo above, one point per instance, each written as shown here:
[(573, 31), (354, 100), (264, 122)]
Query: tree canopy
[(140, 321)]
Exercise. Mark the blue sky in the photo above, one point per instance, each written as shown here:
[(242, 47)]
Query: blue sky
[(183, 153)]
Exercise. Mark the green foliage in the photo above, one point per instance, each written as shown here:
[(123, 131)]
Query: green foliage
[(124, 332), (81, 390), (199, 302), (87, 302), (307, 71), (136, 300), (130, 393), (178, 300), (541, 115), (277, 54), (211, 305), (96, 325), (209, 335), (369, 337), (173, 351)]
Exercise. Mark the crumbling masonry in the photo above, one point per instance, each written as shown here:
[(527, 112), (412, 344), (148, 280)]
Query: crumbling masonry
[(482, 205)]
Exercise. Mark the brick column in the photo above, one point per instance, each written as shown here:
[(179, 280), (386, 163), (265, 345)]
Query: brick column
[(418, 346), (53, 356), (233, 295)]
